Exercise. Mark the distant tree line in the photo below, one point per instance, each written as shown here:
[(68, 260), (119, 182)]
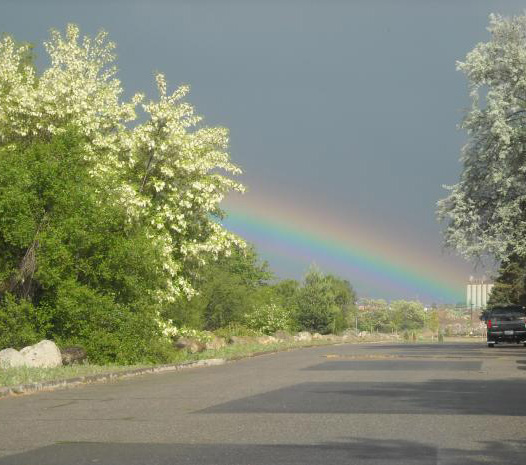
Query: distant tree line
[(396, 316)]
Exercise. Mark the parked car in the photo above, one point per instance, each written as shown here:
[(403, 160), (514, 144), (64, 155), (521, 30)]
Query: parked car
[(506, 324)]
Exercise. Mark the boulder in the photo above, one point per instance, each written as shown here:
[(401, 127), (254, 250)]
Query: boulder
[(45, 354), (349, 336), (242, 340), (303, 336), (332, 338), (191, 345), (317, 337), (11, 358), (282, 336), (265, 340), (72, 355), (215, 343)]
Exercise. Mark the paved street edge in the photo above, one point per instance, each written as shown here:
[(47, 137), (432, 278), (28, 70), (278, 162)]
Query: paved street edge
[(53, 385), (103, 377)]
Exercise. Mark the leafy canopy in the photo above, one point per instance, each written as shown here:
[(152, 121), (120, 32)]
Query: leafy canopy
[(168, 172), (485, 211)]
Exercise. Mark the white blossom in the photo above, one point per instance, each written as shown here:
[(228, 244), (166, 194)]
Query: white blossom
[(486, 210), (167, 172)]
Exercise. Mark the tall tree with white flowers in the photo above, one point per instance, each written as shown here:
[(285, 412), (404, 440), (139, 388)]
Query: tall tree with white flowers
[(169, 172), (485, 211)]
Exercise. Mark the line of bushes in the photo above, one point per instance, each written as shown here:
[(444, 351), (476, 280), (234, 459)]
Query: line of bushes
[(110, 224)]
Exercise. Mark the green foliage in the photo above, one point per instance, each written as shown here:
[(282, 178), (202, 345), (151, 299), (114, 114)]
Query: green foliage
[(408, 315), (433, 322), (485, 210), (236, 329), (78, 272), (510, 284), (344, 299), (108, 227), (400, 315), (269, 318), (21, 324), (109, 331), (286, 292), (376, 316), (324, 303), (228, 289)]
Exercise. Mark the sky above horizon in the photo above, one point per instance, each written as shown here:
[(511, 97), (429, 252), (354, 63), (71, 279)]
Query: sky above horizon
[(343, 116)]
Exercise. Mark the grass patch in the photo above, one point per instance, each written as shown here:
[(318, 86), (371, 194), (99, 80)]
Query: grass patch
[(234, 351), (27, 375)]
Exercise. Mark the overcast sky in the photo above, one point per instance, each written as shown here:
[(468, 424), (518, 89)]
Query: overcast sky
[(343, 108)]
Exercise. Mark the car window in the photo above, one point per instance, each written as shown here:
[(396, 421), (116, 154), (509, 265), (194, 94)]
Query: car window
[(507, 313)]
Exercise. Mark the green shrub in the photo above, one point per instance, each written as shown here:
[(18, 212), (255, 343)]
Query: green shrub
[(235, 329), (408, 315), (269, 318), (110, 332), (317, 308), (91, 276), (21, 324)]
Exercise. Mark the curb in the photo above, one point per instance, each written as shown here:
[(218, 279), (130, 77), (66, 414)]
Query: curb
[(102, 377)]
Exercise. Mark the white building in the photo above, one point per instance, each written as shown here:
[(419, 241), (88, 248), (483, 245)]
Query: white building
[(477, 293)]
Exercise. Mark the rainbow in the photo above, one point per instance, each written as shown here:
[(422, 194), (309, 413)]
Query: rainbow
[(372, 268)]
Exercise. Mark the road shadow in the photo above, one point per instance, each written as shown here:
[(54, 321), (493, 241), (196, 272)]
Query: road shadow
[(396, 365), (356, 451), (441, 396), (449, 350)]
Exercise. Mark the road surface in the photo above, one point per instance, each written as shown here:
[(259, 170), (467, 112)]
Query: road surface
[(349, 404)]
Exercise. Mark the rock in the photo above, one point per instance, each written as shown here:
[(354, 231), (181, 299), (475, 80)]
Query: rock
[(303, 336), (241, 340), (191, 345), (282, 336), (11, 358), (215, 343), (45, 354), (317, 337), (265, 340), (349, 336), (72, 355)]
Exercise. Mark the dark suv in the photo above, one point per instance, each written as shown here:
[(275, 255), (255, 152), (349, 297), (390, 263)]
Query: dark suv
[(506, 324)]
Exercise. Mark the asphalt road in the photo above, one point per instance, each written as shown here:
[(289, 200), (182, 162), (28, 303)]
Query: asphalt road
[(350, 404)]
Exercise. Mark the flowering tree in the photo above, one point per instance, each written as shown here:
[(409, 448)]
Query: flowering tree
[(486, 210), (168, 174)]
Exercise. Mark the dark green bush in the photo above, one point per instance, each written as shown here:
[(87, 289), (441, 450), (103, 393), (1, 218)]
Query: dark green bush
[(91, 276), (324, 303), (21, 324), (109, 331)]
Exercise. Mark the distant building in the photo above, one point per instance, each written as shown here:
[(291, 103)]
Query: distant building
[(477, 293)]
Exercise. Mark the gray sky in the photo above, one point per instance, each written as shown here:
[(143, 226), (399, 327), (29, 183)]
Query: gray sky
[(341, 110)]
